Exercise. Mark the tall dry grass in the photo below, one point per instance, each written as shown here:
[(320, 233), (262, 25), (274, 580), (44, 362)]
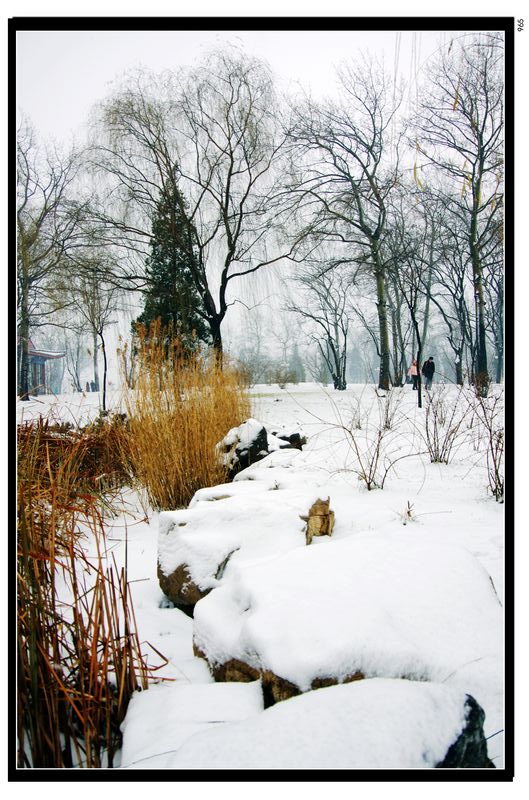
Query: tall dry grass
[(181, 406), (79, 657)]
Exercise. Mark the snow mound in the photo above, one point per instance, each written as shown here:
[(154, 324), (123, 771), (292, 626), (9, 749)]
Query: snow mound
[(392, 606), (369, 724), (161, 719), (244, 522)]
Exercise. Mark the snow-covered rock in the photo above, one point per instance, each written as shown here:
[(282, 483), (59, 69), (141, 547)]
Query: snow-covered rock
[(371, 724), (393, 606), (250, 442), (225, 526)]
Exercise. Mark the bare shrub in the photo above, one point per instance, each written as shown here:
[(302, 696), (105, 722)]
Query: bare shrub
[(282, 374), (359, 414), (444, 428), (489, 411), (388, 405), (368, 455), (373, 458)]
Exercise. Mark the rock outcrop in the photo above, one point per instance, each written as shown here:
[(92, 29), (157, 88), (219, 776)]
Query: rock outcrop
[(251, 442), (348, 609), (179, 587), (196, 546), (275, 688), (469, 751)]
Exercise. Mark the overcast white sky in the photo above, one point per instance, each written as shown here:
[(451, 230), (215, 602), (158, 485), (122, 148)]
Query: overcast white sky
[(61, 74)]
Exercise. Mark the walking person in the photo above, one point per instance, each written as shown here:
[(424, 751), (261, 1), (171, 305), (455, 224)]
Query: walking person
[(428, 369), (413, 372)]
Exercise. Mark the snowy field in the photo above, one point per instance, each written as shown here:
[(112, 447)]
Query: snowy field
[(408, 591)]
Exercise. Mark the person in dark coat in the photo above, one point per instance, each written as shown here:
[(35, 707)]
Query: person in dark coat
[(428, 369)]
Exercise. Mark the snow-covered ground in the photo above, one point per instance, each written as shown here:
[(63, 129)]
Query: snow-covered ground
[(423, 548)]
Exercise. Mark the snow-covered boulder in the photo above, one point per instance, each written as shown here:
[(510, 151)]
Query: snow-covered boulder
[(371, 724), (224, 527), (291, 434), (250, 442), (393, 606)]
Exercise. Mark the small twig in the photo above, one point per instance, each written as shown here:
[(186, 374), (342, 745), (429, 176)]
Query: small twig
[(494, 734)]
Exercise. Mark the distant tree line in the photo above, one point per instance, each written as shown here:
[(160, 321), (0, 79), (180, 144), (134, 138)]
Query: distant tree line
[(386, 226)]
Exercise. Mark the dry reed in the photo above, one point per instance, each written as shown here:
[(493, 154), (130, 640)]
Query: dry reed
[(181, 406), (79, 657)]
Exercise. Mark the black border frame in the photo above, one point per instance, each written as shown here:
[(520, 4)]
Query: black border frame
[(294, 23)]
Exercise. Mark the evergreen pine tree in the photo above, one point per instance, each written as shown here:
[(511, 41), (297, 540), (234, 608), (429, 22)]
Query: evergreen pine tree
[(172, 295)]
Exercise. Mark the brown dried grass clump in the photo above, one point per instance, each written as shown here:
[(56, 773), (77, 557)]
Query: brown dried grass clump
[(181, 406), (74, 460), (79, 657)]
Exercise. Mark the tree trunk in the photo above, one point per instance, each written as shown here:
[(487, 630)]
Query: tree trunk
[(383, 380), (397, 355), (105, 369), (459, 368), (499, 361), (481, 374), (418, 357), (481, 378), (426, 317), (419, 379), (23, 332), (403, 365), (23, 348), (216, 338), (498, 341), (96, 365)]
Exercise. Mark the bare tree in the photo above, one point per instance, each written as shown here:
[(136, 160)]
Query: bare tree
[(409, 244), (459, 130), (96, 302), (452, 295), (74, 351), (46, 229), (413, 251), (351, 166), (211, 139), (253, 357), (322, 302)]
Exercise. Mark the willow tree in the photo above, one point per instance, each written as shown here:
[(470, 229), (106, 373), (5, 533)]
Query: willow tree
[(459, 130), (349, 167), (212, 138)]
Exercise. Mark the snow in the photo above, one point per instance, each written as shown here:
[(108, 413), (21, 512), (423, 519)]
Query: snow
[(160, 720), (247, 432), (371, 724), (377, 604), (251, 520), (77, 408), (403, 583)]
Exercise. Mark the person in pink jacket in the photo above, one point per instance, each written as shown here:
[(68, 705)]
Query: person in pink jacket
[(413, 372)]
